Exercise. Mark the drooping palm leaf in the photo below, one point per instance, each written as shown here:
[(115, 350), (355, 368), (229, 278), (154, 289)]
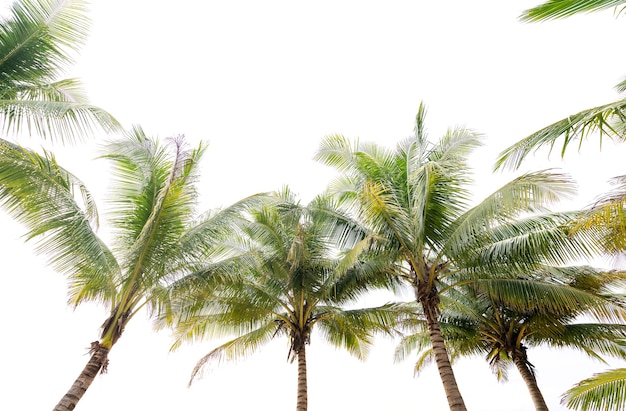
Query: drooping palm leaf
[(42, 195), (605, 120)]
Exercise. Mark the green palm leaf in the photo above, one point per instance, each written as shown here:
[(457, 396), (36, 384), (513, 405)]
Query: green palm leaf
[(558, 9), (603, 392), (605, 119), (40, 194), (37, 42)]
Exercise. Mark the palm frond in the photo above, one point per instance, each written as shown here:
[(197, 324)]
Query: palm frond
[(558, 9), (37, 42), (604, 119), (58, 120), (524, 243), (235, 349), (604, 391), (529, 193), (607, 215), (540, 297), (37, 38), (40, 194)]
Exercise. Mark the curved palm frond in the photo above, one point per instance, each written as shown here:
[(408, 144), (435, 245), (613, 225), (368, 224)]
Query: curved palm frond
[(236, 348), (40, 194), (593, 339), (36, 45), (528, 242), (604, 391), (542, 297), (558, 9), (605, 119), (529, 193)]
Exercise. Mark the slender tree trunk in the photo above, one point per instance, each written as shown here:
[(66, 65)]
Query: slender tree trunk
[(455, 400), (302, 402), (97, 362), (531, 383)]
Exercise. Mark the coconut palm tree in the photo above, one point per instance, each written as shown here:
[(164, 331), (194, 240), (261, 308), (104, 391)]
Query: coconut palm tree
[(290, 271), (416, 199), (478, 322), (38, 40), (153, 229)]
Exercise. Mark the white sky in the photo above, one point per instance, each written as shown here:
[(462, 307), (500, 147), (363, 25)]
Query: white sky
[(263, 82)]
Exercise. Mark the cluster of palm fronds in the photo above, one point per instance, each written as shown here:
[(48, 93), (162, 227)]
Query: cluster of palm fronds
[(490, 279)]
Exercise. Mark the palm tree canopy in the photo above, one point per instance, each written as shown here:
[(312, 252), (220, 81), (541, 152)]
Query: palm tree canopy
[(417, 197), (285, 274), (37, 43), (477, 321), (155, 233)]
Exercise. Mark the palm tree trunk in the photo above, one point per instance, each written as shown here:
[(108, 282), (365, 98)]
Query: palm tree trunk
[(97, 362), (531, 383), (302, 401), (455, 400)]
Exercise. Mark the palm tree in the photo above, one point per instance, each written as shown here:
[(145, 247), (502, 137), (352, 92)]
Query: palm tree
[(416, 201), (478, 322), (601, 392), (289, 270), (154, 234), (37, 42)]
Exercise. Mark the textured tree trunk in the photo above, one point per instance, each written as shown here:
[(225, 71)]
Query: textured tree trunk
[(302, 402), (97, 362), (455, 400), (531, 383)]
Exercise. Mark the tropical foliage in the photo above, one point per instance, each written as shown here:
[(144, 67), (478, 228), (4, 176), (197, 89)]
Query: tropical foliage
[(416, 200), (154, 229), (37, 43), (605, 121), (558, 9), (604, 391), (477, 322), (288, 270)]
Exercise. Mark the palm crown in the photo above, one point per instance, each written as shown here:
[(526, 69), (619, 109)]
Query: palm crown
[(289, 269), (155, 232), (474, 321), (416, 200)]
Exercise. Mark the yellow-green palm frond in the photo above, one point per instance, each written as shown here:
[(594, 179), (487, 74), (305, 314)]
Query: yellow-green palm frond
[(607, 215)]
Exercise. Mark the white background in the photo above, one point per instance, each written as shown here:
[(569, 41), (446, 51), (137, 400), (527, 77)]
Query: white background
[(262, 82)]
